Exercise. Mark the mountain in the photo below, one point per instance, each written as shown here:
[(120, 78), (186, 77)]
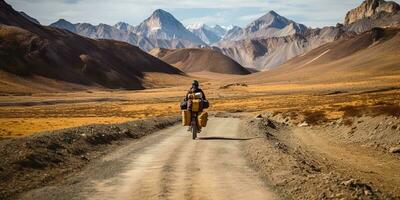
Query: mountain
[(160, 30), (162, 25), (30, 18), (271, 40), (102, 31), (64, 24), (219, 30), (267, 26), (41, 58), (120, 31), (373, 13), (369, 55), (268, 53), (200, 60), (124, 26), (233, 32), (205, 33)]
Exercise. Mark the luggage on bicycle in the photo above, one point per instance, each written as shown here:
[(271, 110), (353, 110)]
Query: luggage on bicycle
[(202, 119), (206, 104), (186, 117), (195, 105), (184, 105)]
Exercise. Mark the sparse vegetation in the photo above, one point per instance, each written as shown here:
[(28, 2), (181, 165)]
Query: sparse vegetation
[(351, 111), (233, 85), (315, 117), (390, 110), (27, 115), (379, 108)]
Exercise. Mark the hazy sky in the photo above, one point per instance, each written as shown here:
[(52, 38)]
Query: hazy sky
[(314, 13)]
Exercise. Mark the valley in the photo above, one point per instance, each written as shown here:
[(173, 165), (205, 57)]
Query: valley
[(93, 111)]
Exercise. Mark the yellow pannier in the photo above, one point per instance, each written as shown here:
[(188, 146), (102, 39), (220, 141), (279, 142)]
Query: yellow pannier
[(195, 105), (203, 118), (186, 117)]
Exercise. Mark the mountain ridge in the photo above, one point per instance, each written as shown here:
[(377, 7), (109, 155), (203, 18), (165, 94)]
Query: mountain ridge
[(259, 45), (34, 52), (200, 60)]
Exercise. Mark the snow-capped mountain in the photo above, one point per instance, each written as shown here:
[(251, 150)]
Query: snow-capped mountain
[(209, 34), (267, 26), (163, 25), (264, 44), (194, 26), (123, 26), (206, 33), (160, 30), (233, 32), (220, 30)]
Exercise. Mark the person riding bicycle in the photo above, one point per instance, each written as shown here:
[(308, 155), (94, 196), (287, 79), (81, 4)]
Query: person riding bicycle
[(195, 89)]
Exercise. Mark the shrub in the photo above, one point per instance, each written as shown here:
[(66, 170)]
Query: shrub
[(390, 110), (315, 117), (351, 111)]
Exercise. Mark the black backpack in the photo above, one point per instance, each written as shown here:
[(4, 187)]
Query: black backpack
[(206, 104), (184, 105)]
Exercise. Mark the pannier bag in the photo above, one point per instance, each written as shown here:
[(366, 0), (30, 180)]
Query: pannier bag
[(185, 117), (184, 105), (206, 104), (195, 105), (203, 117)]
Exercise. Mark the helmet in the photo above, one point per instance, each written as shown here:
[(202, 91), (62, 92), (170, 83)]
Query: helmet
[(195, 84)]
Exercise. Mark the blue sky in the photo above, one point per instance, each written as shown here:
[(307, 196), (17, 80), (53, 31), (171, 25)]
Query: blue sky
[(314, 13)]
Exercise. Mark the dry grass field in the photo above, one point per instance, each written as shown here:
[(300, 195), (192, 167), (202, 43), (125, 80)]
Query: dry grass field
[(25, 115)]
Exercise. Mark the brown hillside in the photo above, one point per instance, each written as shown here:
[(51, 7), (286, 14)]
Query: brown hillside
[(29, 51), (199, 60), (372, 54)]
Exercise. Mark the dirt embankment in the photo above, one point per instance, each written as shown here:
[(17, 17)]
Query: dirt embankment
[(42, 159), (336, 160)]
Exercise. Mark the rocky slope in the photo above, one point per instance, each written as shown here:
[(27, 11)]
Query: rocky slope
[(200, 60), (373, 13), (368, 55), (268, 53), (30, 51), (30, 18), (272, 40), (370, 8)]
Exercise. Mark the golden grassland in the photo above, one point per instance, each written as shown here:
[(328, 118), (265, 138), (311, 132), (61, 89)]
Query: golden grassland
[(25, 115)]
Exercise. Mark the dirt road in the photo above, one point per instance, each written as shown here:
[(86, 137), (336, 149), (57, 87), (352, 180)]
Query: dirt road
[(169, 165)]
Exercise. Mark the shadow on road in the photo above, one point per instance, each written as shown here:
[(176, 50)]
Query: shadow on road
[(223, 138)]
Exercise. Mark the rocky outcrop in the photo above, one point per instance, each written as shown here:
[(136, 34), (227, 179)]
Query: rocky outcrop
[(370, 8)]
